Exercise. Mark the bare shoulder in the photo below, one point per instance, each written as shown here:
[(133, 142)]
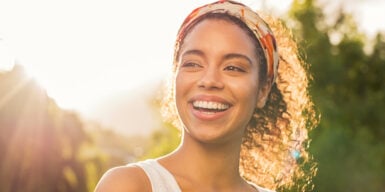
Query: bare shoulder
[(124, 179)]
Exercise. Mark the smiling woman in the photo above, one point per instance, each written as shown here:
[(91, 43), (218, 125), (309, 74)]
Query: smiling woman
[(224, 68), (244, 119)]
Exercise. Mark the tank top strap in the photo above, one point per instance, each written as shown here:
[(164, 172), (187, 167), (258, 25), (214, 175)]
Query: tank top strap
[(161, 179), (260, 189)]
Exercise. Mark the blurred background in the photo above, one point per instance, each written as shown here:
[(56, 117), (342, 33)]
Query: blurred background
[(80, 83)]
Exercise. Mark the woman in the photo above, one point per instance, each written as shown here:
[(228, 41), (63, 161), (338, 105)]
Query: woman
[(243, 119)]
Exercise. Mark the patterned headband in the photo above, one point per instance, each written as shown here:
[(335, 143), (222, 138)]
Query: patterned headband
[(255, 23)]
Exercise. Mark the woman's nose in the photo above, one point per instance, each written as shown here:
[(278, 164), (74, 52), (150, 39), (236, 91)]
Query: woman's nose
[(211, 79)]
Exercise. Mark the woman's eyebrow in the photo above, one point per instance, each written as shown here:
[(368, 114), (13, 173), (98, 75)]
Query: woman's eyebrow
[(237, 56), (225, 57), (193, 52)]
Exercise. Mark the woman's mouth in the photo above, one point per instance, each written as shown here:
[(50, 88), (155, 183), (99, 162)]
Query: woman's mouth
[(210, 106)]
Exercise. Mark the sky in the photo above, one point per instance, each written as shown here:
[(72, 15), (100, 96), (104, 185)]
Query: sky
[(82, 51)]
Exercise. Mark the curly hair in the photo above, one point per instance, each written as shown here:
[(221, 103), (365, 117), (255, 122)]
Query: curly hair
[(274, 149)]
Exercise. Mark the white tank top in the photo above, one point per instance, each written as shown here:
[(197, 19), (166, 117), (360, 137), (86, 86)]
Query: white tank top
[(163, 181)]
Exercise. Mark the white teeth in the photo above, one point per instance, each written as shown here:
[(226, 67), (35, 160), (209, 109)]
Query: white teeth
[(210, 105)]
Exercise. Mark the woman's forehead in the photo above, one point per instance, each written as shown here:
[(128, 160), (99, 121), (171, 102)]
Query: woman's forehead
[(217, 35)]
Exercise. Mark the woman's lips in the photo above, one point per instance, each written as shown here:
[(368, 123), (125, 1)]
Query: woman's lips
[(209, 107)]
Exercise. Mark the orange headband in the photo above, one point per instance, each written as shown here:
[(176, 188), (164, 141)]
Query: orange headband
[(255, 23)]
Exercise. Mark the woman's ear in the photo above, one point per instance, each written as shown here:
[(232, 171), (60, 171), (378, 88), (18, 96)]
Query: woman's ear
[(263, 94)]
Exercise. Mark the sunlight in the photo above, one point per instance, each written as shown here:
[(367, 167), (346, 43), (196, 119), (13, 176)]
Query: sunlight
[(7, 58), (34, 130), (80, 65), (9, 95), (68, 90)]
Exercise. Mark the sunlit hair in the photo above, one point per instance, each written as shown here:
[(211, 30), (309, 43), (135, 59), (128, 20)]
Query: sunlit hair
[(274, 149)]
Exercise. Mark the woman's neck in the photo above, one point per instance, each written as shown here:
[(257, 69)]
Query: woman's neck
[(205, 164)]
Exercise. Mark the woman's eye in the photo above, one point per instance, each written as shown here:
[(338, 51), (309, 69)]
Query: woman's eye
[(191, 67), (190, 64), (234, 68)]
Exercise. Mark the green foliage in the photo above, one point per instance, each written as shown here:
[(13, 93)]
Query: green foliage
[(40, 143), (349, 90), (45, 148), (166, 138), (163, 141), (348, 161)]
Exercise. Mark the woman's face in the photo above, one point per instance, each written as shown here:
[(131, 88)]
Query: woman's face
[(217, 86)]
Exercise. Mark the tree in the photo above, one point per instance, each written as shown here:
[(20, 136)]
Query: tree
[(348, 89), (40, 144)]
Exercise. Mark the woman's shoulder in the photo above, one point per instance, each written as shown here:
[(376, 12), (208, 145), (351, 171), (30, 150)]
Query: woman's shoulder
[(124, 178)]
